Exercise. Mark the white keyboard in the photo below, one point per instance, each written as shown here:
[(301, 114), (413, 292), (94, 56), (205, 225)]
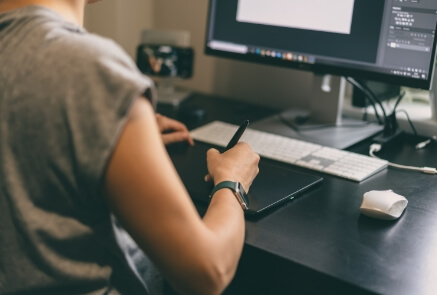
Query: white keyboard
[(292, 151)]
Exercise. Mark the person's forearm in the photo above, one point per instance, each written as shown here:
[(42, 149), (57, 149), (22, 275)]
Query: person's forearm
[(143, 190), (225, 218), (224, 223)]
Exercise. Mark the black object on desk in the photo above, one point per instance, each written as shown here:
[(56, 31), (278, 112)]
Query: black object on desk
[(273, 185), (322, 244), (191, 115)]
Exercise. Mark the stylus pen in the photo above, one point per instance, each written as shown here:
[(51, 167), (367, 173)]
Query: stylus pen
[(234, 140)]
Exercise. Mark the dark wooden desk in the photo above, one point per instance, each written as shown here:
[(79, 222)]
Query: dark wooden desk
[(320, 244)]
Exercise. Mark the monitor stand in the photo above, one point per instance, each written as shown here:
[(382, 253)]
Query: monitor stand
[(324, 123), (168, 93)]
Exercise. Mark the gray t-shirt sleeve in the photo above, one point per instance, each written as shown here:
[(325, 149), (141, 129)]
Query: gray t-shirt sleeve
[(100, 87), (65, 99)]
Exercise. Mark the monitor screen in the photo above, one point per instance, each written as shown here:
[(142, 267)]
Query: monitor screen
[(390, 41)]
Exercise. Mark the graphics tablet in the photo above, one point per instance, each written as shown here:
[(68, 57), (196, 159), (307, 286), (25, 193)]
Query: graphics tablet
[(273, 185)]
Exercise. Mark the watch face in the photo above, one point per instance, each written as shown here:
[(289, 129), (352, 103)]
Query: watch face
[(242, 196), (238, 191)]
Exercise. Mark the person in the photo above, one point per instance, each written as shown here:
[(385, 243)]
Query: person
[(80, 143)]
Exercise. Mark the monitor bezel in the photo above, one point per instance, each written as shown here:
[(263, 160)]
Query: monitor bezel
[(320, 68)]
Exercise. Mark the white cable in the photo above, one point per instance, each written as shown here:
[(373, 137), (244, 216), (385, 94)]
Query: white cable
[(423, 144), (377, 147)]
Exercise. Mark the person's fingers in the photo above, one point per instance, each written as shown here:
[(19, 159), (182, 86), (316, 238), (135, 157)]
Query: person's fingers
[(207, 178), (166, 124), (175, 137), (176, 131), (212, 152), (190, 140)]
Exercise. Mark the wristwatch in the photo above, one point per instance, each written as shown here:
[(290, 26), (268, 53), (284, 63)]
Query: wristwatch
[(238, 191)]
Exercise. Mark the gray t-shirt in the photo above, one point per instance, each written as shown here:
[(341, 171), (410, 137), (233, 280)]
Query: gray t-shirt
[(64, 99)]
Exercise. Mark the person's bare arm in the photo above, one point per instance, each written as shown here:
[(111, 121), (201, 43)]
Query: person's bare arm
[(147, 196)]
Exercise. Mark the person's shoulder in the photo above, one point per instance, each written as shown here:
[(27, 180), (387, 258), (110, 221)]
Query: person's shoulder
[(88, 46), (77, 39)]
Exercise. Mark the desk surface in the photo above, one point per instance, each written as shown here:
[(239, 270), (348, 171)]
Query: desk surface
[(320, 241)]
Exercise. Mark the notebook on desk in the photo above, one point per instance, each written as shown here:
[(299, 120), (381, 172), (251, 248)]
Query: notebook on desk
[(272, 187)]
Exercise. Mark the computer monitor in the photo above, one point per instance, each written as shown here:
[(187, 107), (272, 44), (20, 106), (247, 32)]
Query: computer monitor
[(390, 41)]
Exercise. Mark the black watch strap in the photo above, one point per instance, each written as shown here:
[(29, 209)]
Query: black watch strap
[(237, 189)]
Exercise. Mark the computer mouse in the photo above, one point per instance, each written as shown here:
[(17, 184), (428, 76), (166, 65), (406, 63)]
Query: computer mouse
[(383, 204)]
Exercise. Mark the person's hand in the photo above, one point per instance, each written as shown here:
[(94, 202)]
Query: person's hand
[(173, 131), (239, 164)]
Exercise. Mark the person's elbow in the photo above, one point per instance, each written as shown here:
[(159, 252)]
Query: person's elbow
[(210, 277), (217, 277)]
